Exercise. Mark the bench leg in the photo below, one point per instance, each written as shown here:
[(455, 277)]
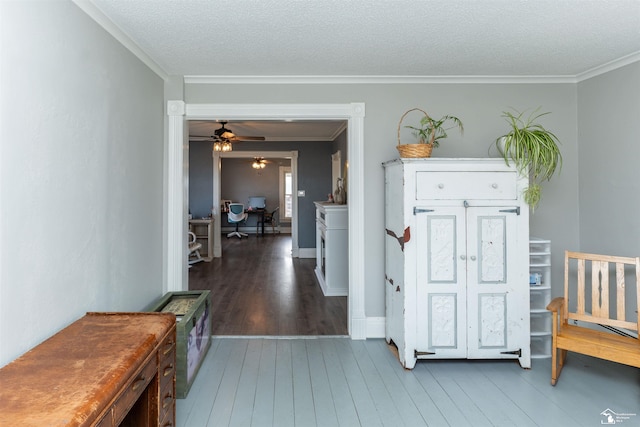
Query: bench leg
[(563, 356), (557, 363), (554, 365)]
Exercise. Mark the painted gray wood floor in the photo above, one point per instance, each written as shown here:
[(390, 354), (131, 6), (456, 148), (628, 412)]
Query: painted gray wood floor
[(340, 382)]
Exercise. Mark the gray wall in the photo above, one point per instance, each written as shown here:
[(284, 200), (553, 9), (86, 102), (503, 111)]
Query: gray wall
[(340, 144), (314, 176), (200, 179), (239, 181), (81, 174), (609, 151), (479, 106)]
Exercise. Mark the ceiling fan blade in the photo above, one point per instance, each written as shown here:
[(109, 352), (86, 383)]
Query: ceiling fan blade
[(248, 138), (200, 138)]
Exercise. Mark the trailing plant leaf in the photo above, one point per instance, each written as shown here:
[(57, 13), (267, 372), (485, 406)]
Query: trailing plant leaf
[(532, 195), (533, 150)]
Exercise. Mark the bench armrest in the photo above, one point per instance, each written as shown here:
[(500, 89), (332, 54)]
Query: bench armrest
[(556, 304)]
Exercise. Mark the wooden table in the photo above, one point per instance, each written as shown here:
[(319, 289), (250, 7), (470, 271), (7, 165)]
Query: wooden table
[(106, 369)]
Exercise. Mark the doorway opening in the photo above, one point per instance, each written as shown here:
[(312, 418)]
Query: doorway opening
[(292, 156), (177, 210)]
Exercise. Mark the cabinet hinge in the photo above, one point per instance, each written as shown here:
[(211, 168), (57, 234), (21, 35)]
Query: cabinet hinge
[(517, 352), (420, 210), (515, 211), (417, 353)]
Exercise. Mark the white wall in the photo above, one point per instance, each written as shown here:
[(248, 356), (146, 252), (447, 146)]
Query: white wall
[(479, 106), (81, 173)]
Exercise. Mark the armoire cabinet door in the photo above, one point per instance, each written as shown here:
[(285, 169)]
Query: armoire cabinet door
[(493, 300), (466, 295), (441, 282)]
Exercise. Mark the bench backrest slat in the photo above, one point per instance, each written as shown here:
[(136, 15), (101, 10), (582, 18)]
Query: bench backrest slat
[(600, 311), (600, 289), (620, 301)]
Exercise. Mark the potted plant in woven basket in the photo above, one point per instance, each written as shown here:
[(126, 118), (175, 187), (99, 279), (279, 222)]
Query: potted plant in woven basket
[(533, 149), (429, 134)]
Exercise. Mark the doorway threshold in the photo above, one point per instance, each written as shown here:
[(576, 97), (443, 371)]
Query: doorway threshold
[(278, 337)]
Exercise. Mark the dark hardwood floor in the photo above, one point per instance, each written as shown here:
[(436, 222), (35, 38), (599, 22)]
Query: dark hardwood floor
[(257, 288)]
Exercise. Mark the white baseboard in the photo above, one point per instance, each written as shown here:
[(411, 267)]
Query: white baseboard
[(252, 230), (306, 252), (376, 327)]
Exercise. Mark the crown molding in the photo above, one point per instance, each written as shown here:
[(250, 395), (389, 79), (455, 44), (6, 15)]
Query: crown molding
[(338, 131), (609, 66), (88, 7), (375, 79)]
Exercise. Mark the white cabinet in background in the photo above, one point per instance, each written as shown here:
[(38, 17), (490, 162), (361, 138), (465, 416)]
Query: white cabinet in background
[(456, 260), (332, 248)]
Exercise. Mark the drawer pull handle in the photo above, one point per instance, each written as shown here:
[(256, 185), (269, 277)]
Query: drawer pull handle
[(168, 348), (168, 370), (167, 401), (441, 186), (139, 382)]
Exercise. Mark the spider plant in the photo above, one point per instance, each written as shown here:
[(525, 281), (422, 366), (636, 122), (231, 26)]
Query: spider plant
[(533, 149), (432, 130)]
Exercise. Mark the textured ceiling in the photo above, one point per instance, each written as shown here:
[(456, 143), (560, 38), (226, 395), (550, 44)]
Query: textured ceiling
[(380, 37)]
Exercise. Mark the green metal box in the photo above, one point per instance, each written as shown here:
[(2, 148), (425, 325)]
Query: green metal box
[(193, 330)]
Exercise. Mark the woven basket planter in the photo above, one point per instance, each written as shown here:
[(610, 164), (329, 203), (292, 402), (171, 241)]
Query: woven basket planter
[(414, 151)]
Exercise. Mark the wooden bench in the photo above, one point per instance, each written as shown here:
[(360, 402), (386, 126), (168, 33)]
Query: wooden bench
[(600, 307)]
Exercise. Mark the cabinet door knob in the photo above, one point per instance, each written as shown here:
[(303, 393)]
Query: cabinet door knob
[(441, 186), (473, 258), (494, 185), (463, 257)]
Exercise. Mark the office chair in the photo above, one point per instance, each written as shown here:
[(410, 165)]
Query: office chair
[(236, 215), (270, 218)]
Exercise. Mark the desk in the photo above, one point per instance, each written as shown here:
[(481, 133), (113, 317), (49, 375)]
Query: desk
[(105, 369), (260, 214), (203, 229)]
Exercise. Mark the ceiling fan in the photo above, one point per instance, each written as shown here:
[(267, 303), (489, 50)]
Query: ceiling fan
[(224, 134)]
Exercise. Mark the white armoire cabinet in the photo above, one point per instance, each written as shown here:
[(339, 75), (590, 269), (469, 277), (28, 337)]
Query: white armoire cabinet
[(456, 260)]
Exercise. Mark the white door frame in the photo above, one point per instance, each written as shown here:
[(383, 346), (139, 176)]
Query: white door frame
[(217, 190), (177, 179)]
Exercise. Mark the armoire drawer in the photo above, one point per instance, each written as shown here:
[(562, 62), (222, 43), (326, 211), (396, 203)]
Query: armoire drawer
[(466, 185)]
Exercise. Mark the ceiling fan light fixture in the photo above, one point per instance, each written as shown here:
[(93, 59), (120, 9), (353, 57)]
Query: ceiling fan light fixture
[(222, 146), (259, 163)]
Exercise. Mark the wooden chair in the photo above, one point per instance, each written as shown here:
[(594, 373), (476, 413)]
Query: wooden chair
[(602, 324), (194, 249)]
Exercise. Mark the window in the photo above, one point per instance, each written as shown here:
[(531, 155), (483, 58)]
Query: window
[(286, 193)]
